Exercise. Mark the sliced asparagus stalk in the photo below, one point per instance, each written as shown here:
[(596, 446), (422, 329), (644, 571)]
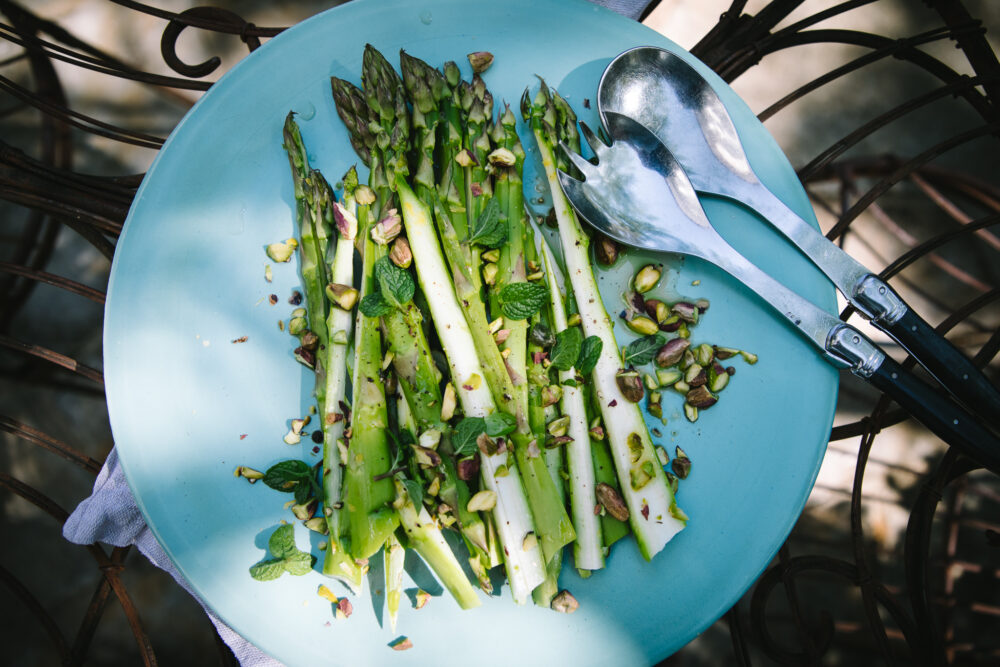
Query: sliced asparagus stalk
[(653, 512), (395, 556), (587, 551), (512, 518), (425, 537), (337, 561), (367, 499)]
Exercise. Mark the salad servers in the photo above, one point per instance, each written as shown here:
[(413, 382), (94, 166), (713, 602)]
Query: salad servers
[(672, 99), (638, 194)]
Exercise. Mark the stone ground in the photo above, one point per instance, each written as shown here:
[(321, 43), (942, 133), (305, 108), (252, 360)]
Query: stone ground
[(63, 576)]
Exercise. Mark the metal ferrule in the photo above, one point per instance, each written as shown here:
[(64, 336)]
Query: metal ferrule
[(878, 301), (849, 348)]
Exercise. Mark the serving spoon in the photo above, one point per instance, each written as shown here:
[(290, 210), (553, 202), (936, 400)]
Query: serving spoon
[(667, 95), (639, 195)]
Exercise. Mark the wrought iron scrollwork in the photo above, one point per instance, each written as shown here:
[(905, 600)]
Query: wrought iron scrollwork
[(918, 618)]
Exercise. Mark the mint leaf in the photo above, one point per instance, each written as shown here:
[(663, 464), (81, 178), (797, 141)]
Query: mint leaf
[(519, 301), (282, 541), (463, 440), (267, 570), (415, 492), (590, 352), (642, 351), (499, 423), (286, 475), (374, 305), (490, 229), (566, 351), (298, 563), (397, 285)]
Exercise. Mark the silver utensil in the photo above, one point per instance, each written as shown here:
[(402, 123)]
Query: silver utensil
[(638, 194), (667, 95)]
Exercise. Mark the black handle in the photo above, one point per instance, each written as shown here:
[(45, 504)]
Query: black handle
[(949, 366), (945, 418)]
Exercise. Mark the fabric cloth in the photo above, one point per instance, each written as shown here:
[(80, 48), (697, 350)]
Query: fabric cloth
[(111, 515)]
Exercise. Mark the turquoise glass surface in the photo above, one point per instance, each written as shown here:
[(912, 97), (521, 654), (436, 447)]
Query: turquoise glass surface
[(188, 404)]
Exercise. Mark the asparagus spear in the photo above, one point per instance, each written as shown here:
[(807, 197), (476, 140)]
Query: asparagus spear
[(424, 536), (653, 513), (395, 556), (512, 518), (337, 561), (316, 209), (367, 499), (587, 551)]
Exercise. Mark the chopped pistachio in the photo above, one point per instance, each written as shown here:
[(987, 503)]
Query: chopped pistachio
[(434, 487), (558, 427), (529, 542), (400, 254), (503, 157), (668, 376), (700, 397), (465, 158), (248, 473), (573, 320), (345, 220), (388, 228), (296, 325), (551, 395), (474, 382), (268, 274), (642, 325), (480, 61), (309, 340), (292, 438), (425, 457), (650, 382), (421, 598), (430, 438), (535, 277), (344, 609), (401, 644), (448, 402), (630, 385), (483, 501), (344, 297), (467, 468), (611, 501), (339, 337), (662, 456), (646, 279), (282, 251), (505, 352), (501, 471), (492, 255), (299, 312), (564, 602), (691, 412), (326, 594), (317, 524), (695, 375), (748, 357), (640, 476), (724, 353), (496, 325), (364, 195), (306, 510), (490, 273), (501, 336)]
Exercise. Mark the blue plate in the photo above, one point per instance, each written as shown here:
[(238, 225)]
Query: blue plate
[(188, 405)]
